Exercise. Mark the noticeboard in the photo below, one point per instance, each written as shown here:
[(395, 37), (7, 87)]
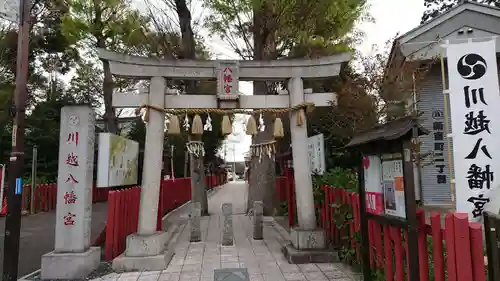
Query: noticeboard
[(393, 185), (374, 193)]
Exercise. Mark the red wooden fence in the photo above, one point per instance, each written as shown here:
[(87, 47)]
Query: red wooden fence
[(461, 259), (453, 249), (46, 197), (123, 210)]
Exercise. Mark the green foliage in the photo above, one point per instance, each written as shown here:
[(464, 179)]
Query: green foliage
[(338, 178), (286, 26), (110, 24), (42, 130)]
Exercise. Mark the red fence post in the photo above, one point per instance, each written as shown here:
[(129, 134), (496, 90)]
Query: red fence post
[(398, 253), (462, 246), (477, 254), (389, 274), (110, 227), (423, 256), (116, 229), (54, 196), (437, 246), (160, 208), (450, 248)]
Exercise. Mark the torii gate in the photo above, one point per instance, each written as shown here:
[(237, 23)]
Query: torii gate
[(147, 242)]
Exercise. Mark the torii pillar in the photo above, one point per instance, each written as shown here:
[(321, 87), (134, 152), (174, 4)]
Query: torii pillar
[(146, 249)]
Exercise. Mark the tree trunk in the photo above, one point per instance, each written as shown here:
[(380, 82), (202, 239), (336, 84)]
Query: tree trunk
[(109, 111), (107, 84), (197, 167), (262, 179)]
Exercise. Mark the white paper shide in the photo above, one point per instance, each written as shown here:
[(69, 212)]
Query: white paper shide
[(75, 176), (474, 101)]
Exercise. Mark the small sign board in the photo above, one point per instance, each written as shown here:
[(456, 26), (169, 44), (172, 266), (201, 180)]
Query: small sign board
[(228, 78), (316, 149), (117, 161), (373, 184), (9, 10), (19, 186), (393, 185)]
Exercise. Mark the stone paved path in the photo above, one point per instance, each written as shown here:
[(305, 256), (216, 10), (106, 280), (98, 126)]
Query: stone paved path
[(263, 259)]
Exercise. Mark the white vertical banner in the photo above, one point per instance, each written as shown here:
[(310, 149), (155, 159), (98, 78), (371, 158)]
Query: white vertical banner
[(475, 118), (75, 178)]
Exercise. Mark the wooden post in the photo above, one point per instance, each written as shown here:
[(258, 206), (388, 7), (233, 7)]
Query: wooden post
[(365, 244)]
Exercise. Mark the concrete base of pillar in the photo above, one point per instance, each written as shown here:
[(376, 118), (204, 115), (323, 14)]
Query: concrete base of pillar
[(307, 239), (70, 265), (151, 263), (308, 246), (146, 245), (144, 252), (295, 256)]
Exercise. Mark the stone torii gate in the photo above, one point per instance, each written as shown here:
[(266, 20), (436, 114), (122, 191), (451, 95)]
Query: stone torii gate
[(145, 249)]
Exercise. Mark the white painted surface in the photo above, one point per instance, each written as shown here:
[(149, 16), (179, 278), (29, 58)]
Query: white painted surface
[(75, 177), (482, 169), (151, 176)]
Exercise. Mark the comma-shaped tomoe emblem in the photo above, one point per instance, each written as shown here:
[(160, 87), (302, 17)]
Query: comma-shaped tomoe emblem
[(471, 66)]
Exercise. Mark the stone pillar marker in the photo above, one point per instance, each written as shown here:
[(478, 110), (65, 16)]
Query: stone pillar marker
[(258, 211), (227, 230), (194, 222), (74, 198), (145, 250)]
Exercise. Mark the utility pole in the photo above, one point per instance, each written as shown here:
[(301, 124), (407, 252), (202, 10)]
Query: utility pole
[(16, 160)]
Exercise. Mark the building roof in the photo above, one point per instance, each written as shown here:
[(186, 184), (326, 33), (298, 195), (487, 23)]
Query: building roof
[(387, 132), (465, 5)]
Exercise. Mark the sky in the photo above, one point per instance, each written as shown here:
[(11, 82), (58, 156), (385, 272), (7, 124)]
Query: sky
[(391, 17)]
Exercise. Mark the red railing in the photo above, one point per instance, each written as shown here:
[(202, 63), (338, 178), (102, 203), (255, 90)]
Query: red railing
[(461, 259), (46, 197), (453, 248), (123, 210)]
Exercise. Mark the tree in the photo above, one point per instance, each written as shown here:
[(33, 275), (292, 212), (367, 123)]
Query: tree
[(49, 51), (183, 43), (434, 8), (42, 130), (86, 85), (275, 29), (106, 24)]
